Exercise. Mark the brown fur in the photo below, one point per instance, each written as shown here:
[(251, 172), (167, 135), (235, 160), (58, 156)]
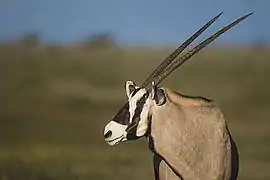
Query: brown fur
[(191, 135)]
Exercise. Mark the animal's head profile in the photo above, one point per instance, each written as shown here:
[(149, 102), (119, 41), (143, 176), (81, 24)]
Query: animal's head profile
[(131, 121), (135, 124)]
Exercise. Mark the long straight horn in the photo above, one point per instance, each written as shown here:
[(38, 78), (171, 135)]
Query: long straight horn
[(172, 56), (196, 49)]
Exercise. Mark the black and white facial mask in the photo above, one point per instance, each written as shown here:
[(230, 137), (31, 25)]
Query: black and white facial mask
[(133, 123)]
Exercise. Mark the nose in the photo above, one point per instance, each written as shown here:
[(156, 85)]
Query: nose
[(108, 134)]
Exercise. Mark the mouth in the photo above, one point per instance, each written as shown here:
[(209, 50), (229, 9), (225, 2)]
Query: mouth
[(114, 133), (115, 141)]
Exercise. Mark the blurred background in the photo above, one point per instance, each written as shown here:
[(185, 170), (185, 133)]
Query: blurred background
[(63, 66)]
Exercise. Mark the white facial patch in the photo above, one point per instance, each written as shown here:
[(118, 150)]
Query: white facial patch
[(133, 102), (143, 123), (118, 132)]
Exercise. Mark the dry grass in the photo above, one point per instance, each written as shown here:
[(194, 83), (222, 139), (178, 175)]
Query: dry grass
[(55, 102)]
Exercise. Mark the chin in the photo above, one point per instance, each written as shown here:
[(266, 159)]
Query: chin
[(116, 141)]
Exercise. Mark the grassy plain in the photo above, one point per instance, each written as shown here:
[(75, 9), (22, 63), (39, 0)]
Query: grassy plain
[(55, 101)]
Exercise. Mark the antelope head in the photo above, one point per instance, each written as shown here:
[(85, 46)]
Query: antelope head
[(138, 111), (132, 120)]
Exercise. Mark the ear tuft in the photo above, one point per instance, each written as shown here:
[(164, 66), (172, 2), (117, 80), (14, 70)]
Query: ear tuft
[(130, 87)]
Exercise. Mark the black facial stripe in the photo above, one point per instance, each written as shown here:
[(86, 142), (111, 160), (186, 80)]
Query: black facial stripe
[(132, 128), (139, 106), (122, 117), (135, 91)]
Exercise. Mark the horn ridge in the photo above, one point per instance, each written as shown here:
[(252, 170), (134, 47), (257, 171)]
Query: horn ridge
[(181, 60), (173, 55)]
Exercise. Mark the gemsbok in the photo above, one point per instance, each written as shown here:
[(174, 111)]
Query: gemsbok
[(188, 135)]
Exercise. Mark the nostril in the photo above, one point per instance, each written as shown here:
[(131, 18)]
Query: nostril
[(108, 134)]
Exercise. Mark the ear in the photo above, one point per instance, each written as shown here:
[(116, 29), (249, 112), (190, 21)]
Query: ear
[(130, 87), (158, 95)]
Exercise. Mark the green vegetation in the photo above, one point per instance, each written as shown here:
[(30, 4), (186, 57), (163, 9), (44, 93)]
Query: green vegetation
[(55, 102)]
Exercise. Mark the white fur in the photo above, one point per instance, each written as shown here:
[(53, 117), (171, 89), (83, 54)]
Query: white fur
[(133, 102), (143, 123), (118, 132)]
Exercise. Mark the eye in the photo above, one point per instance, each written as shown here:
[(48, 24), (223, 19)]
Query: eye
[(145, 96), (143, 99)]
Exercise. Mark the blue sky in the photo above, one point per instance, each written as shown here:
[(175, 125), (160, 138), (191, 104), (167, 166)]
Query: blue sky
[(132, 22)]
